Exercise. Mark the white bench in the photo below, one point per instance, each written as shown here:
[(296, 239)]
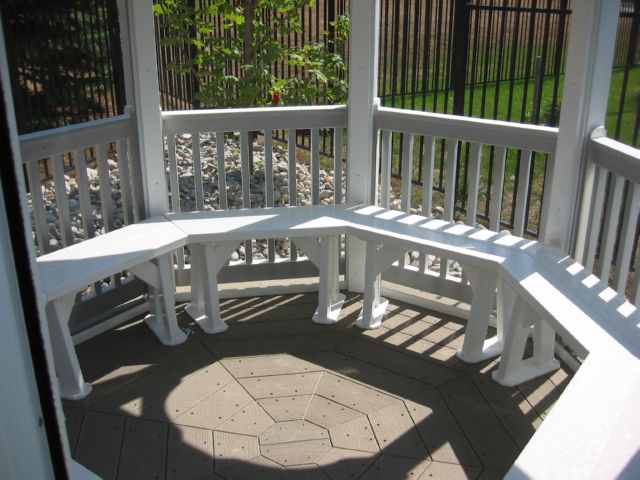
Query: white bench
[(145, 250)]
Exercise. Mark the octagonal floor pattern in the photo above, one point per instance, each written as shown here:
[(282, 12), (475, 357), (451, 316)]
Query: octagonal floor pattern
[(277, 396)]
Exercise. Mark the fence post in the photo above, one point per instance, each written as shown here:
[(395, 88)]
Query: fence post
[(361, 147), (141, 81), (459, 54), (584, 104)]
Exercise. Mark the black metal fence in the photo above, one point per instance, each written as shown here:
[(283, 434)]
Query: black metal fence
[(65, 61)]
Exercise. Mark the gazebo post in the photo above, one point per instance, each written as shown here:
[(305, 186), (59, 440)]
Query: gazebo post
[(362, 135), (590, 53), (142, 92)]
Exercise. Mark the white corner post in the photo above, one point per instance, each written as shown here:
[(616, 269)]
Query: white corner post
[(361, 131), (141, 84), (584, 105)]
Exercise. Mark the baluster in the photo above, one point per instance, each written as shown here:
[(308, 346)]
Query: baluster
[(315, 166), (627, 237), (497, 188), (197, 170), (337, 165), (407, 174), (62, 201), (85, 196), (105, 187), (175, 190), (246, 154), (450, 180), (614, 202), (293, 182), (597, 204), (475, 162), (427, 186), (385, 168), (269, 186), (37, 206), (125, 181), (222, 171), (520, 218)]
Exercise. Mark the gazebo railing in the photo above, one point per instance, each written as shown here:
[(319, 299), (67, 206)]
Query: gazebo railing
[(510, 142), (609, 227), (257, 174)]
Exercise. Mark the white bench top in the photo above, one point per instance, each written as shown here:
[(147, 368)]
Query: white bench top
[(72, 268)]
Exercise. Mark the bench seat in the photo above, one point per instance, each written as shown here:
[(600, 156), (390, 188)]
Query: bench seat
[(143, 248)]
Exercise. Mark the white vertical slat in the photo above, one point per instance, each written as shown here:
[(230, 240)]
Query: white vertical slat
[(83, 193), (246, 152), (125, 180), (37, 205), (627, 237), (385, 168), (597, 205), (62, 202), (173, 174), (450, 181), (635, 289), (222, 171), (293, 181), (497, 188), (105, 187), (475, 162), (427, 186), (337, 165), (315, 166), (197, 170), (268, 185), (407, 172), (614, 202), (584, 219), (520, 220)]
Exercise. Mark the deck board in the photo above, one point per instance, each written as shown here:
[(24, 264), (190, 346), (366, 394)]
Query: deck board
[(281, 397)]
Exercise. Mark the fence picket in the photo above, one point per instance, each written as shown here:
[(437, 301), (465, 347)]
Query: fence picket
[(616, 189), (106, 201), (222, 171), (62, 202), (627, 237), (337, 165), (597, 206), (450, 182), (125, 180), (474, 181), (497, 188), (520, 220), (197, 170)]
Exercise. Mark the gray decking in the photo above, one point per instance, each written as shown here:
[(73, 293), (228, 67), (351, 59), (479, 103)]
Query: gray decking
[(277, 396)]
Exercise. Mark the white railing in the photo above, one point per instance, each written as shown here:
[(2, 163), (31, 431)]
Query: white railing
[(92, 188), (256, 176), (495, 149), (607, 235)]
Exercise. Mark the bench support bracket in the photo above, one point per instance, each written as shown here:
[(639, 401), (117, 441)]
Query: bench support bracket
[(70, 378), (158, 274), (325, 254), (378, 259), (206, 261), (476, 348), (513, 370)]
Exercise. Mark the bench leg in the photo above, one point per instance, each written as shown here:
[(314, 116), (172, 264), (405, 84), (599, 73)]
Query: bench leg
[(205, 302), (378, 259), (70, 379), (162, 320), (476, 348), (513, 369), (325, 255)]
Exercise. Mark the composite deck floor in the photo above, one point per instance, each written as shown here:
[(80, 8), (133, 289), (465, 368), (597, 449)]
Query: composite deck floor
[(277, 396)]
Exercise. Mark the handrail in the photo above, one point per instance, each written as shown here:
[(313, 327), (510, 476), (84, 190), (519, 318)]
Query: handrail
[(616, 157), (57, 141), (248, 119), (483, 131)]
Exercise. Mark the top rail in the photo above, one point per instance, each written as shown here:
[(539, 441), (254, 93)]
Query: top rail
[(488, 132), (57, 141), (248, 119), (616, 157)]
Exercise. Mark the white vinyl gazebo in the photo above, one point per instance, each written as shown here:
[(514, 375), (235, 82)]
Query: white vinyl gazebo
[(525, 289)]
